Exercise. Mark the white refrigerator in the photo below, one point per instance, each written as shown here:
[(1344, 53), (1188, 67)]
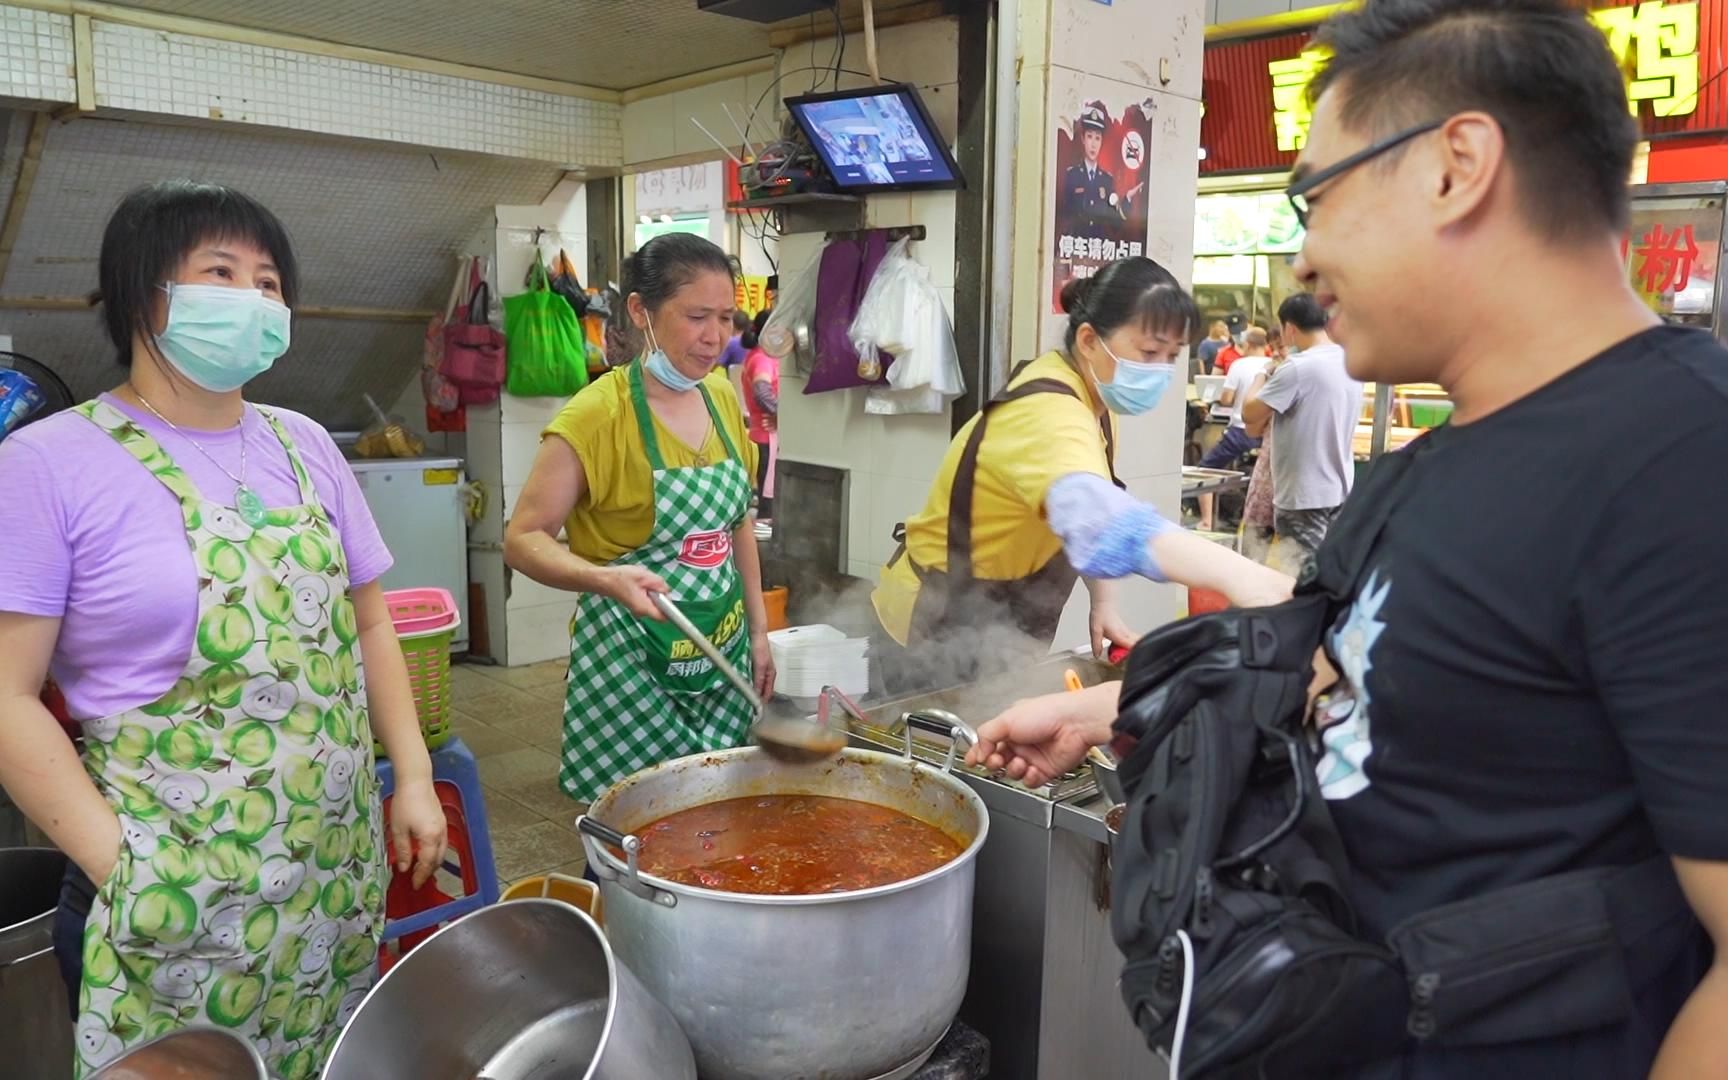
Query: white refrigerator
[(417, 503)]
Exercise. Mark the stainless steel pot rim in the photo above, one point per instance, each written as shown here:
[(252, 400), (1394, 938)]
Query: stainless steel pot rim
[(485, 912), (611, 864)]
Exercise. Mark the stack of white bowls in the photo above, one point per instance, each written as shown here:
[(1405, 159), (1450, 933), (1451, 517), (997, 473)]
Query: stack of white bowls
[(808, 658)]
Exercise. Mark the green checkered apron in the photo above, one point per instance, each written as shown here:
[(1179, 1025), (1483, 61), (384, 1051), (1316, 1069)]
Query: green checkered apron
[(639, 692)]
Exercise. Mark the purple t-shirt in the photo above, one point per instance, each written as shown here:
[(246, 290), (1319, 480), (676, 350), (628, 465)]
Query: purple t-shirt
[(93, 538), (733, 354)]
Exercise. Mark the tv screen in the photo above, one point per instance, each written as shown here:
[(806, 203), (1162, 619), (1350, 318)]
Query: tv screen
[(876, 139)]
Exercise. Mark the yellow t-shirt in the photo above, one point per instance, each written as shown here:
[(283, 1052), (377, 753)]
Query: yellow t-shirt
[(616, 514), (1029, 444)]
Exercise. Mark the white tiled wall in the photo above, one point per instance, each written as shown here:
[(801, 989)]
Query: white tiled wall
[(181, 75), (36, 55), (533, 623)]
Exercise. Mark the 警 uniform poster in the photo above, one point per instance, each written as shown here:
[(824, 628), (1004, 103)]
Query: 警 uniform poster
[(1103, 164)]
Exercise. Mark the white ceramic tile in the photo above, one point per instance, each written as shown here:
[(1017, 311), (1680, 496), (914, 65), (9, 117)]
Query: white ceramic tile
[(869, 571), (36, 55), (526, 593), (181, 75), (1131, 43), (893, 500), (540, 633), (909, 447), (935, 211), (860, 515)]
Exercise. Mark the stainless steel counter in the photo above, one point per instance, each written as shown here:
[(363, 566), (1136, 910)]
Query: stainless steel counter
[(1044, 966)]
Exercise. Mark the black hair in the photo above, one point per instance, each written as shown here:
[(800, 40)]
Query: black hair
[(753, 332), (740, 321), (669, 262), (152, 232), (1129, 290), (1303, 312), (1540, 68)]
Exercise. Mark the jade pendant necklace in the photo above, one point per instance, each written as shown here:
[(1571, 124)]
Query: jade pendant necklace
[(246, 501)]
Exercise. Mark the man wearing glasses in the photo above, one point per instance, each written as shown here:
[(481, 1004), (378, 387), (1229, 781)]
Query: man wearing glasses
[(1532, 676)]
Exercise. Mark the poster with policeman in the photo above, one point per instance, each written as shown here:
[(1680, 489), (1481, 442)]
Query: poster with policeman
[(1104, 165)]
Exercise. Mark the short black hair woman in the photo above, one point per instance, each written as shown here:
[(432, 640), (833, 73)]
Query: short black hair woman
[(200, 576), (1026, 500), (648, 471)]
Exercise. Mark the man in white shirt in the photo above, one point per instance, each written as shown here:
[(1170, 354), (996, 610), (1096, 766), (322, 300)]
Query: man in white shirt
[(1229, 451), (1317, 405)]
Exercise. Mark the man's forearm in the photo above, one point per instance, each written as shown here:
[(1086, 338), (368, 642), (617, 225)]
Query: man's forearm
[(1697, 1044)]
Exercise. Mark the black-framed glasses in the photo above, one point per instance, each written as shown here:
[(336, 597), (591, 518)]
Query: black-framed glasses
[(1297, 193)]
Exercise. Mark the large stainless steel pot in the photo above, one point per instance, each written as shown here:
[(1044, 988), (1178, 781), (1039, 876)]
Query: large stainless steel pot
[(523, 990), (193, 1053), (840, 986)]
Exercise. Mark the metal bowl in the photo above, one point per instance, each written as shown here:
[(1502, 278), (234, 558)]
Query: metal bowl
[(524, 990), (194, 1053)]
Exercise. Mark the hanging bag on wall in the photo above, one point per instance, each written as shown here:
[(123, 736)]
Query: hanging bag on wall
[(443, 398), (473, 348), (547, 354), (566, 284)]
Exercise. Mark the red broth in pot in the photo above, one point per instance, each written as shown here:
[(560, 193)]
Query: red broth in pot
[(792, 845)]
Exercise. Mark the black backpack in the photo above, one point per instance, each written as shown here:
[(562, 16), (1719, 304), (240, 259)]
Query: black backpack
[(1229, 873), (1226, 840)]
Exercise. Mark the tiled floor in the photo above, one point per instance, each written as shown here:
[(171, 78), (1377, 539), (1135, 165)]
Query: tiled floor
[(511, 719)]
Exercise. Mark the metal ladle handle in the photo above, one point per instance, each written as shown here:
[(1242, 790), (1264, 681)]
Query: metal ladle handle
[(688, 629)]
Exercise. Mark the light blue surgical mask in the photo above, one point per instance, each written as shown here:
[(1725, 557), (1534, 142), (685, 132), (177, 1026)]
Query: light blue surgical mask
[(1137, 387), (659, 365), (221, 337)]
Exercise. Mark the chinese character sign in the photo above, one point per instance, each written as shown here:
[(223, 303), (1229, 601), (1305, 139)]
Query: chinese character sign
[(1657, 43), (1672, 255), (1103, 164), (1290, 112), (752, 293)]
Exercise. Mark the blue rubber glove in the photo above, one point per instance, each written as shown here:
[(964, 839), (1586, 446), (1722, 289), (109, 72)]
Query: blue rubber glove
[(1105, 532)]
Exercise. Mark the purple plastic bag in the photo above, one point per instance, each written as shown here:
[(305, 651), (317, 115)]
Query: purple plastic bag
[(845, 272)]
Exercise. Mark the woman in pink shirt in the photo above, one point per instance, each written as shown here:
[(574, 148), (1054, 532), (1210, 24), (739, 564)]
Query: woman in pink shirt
[(762, 407), (200, 576)]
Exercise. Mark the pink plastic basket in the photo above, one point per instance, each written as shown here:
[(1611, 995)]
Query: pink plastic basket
[(426, 622)]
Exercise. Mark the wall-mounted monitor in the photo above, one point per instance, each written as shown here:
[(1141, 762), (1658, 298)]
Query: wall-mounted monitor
[(880, 138)]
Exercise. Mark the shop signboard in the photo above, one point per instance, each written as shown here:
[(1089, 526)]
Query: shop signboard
[(1255, 91), (1673, 255), (1247, 223), (1103, 162)]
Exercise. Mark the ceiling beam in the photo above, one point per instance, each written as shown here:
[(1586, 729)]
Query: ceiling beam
[(26, 180)]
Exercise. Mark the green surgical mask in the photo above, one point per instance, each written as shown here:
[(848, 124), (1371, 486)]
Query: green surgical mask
[(220, 337)]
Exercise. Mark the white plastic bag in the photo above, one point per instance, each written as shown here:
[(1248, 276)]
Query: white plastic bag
[(794, 311), (902, 314)]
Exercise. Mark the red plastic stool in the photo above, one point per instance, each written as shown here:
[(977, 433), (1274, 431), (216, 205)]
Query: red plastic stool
[(416, 914)]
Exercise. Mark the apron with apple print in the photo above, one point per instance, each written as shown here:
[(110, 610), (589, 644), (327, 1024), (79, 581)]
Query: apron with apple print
[(249, 891)]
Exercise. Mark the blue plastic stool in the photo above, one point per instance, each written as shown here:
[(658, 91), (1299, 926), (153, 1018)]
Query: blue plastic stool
[(452, 763)]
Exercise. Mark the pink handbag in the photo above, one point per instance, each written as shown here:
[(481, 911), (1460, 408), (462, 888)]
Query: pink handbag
[(474, 349)]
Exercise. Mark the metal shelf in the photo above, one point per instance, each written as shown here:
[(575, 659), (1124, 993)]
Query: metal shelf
[(809, 212)]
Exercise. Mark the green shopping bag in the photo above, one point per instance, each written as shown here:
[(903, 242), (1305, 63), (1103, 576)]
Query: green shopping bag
[(546, 354)]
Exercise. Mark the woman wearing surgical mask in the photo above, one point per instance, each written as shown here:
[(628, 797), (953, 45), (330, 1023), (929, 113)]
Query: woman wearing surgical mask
[(1027, 501), (200, 575), (648, 474)]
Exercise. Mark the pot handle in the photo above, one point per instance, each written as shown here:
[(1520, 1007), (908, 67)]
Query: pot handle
[(939, 722), (593, 830)]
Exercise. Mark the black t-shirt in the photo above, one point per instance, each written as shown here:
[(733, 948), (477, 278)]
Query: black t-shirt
[(1537, 666)]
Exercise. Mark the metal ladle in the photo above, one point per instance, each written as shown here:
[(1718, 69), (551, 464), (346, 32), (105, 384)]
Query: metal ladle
[(793, 740)]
